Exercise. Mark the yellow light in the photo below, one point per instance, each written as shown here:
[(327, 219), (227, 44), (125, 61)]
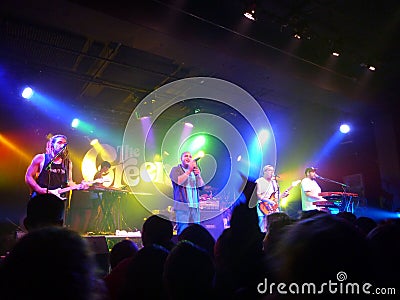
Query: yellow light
[(94, 142), (14, 148)]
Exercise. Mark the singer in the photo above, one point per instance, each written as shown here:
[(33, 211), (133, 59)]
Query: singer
[(186, 182), (310, 190), (42, 179)]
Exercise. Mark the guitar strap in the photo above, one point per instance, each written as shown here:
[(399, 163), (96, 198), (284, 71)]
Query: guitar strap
[(269, 187)]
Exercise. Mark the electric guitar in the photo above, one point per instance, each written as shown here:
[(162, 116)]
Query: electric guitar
[(268, 208), (58, 192)]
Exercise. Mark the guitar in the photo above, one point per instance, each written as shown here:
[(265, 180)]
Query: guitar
[(58, 192), (267, 208)]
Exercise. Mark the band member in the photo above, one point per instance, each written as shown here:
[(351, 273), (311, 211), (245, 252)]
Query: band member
[(310, 190), (96, 197), (104, 168), (51, 170), (186, 181), (268, 196)]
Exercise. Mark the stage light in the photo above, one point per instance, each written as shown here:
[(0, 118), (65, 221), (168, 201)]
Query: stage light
[(27, 93), (75, 123), (335, 53), (199, 142), (370, 67), (263, 136), (94, 142), (187, 124), (200, 154), (344, 128), (250, 12), (250, 15)]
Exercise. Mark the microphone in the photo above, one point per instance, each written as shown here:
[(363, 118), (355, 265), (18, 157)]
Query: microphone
[(276, 176), (197, 159), (319, 177), (62, 149)]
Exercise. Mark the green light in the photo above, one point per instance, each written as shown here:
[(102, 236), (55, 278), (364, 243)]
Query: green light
[(75, 123), (198, 142)]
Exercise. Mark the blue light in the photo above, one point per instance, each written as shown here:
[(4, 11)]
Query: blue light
[(27, 93), (344, 128)]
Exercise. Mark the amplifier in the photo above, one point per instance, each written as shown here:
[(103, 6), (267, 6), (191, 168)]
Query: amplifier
[(209, 205)]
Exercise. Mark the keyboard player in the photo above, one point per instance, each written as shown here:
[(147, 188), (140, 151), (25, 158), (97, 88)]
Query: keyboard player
[(310, 190)]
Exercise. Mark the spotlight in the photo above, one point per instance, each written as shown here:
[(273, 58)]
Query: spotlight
[(344, 128), (335, 53), (250, 12), (94, 142), (250, 15), (187, 124), (75, 123), (27, 93), (297, 36), (370, 67)]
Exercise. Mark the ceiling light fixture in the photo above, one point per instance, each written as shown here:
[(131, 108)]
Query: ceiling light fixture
[(250, 12)]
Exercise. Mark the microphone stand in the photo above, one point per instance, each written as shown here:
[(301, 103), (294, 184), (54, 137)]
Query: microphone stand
[(347, 202), (333, 181), (48, 167)]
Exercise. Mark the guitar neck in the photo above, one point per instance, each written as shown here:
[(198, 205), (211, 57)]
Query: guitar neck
[(67, 189), (289, 188), (294, 183), (79, 186)]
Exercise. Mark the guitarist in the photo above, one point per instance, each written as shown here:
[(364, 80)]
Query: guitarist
[(51, 170), (268, 196)]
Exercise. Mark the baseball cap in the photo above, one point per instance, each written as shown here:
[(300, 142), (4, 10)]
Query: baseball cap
[(310, 169)]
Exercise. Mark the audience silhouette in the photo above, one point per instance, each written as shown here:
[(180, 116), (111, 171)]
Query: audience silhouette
[(44, 210), (50, 263), (239, 254), (121, 250), (200, 236), (144, 274), (189, 273), (53, 262), (158, 229)]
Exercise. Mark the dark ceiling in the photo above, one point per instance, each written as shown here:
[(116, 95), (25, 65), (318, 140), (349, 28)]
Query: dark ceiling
[(103, 58)]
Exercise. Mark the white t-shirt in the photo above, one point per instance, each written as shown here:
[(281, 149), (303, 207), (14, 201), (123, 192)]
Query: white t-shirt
[(266, 188), (309, 185)]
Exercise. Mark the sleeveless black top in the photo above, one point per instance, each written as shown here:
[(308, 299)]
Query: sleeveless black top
[(55, 177)]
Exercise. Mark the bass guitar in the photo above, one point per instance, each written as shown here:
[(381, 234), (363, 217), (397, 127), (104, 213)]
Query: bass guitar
[(268, 208)]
